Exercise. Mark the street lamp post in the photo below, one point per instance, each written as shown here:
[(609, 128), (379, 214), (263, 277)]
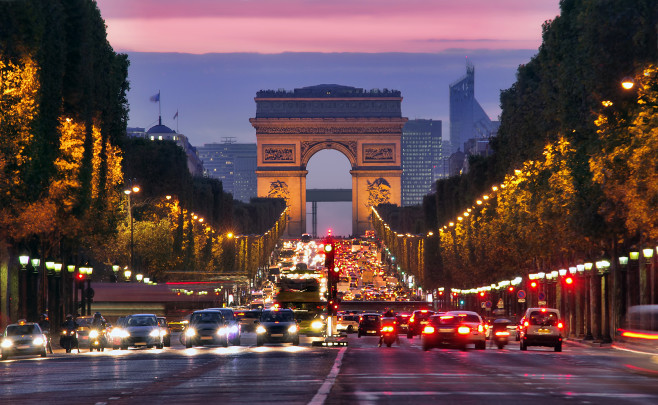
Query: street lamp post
[(589, 301), (134, 188), (24, 260), (603, 266), (578, 293)]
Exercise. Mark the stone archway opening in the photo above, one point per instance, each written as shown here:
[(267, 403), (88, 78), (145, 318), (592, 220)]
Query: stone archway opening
[(328, 169)]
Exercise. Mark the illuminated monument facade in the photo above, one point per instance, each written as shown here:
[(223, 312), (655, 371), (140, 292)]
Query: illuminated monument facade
[(365, 126)]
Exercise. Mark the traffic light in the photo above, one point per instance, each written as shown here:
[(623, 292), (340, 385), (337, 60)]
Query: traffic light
[(332, 307), (329, 256), (568, 281), (533, 284)]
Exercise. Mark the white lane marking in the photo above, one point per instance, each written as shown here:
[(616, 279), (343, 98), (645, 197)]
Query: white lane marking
[(370, 395), (324, 390)]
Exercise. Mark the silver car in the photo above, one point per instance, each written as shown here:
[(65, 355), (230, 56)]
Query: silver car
[(141, 330)]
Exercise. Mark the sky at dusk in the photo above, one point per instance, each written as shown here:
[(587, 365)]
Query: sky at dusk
[(208, 58)]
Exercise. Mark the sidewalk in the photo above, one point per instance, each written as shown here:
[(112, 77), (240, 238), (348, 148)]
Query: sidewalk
[(588, 343)]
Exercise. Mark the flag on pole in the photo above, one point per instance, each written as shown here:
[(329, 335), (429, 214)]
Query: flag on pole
[(155, 98), (176, 115)]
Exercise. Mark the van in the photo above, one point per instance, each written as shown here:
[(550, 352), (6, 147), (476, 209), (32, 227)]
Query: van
[(541, 327)]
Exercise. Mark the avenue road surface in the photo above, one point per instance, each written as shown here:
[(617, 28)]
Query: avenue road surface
[(361, 373)]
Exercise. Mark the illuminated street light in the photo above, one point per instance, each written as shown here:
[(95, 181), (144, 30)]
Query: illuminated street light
[(627, 83)]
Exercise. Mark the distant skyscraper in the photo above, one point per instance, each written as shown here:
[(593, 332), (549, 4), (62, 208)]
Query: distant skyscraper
[(234, 164), (467, 118), (421, 154)]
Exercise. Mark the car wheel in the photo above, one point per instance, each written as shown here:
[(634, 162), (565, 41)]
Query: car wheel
[(558, 347), (259, 341), (410, 335), (295, 341), (523, 346), (500, 346), (481, 345), (43, 353), (350, 329)]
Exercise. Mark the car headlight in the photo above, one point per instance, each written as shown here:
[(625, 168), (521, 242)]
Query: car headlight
[(292, 329), (38, 341), (7, 343), (221, 331), (260, 329), (233, 329), (190, 332), (93, 334), (119, 333), (316, 325), (155, 333)]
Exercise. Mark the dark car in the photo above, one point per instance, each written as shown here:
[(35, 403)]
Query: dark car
[(402, 321), (206, 327), (248, 319), (277, 326), (454, 329), (141, 330), (417, 322), (369, 324), (232, 324), (23, 338)]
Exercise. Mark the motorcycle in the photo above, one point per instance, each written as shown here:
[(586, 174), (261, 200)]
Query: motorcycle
[(68, 339), (388, 334), (97, 340), (500, 333)]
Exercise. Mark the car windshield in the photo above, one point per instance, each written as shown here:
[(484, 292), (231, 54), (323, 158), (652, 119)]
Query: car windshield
[(206, 317), (277, 316), (227, 313), (15, 330), (543, 318), (84, 321), (141, 321), (423, 315), (370, 318)]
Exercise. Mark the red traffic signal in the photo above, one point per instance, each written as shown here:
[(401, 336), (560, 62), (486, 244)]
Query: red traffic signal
[(533, 284), (80, 276), (511, 289), (568, 280), (481, 293)]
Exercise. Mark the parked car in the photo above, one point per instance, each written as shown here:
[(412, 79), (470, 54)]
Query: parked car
[(23, 338), (541, 327)]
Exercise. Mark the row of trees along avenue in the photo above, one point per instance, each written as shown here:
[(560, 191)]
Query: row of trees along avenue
[(65, 161), (574, 165)]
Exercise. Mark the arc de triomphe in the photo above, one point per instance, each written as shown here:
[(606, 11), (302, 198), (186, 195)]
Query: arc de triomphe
[(366, 126)]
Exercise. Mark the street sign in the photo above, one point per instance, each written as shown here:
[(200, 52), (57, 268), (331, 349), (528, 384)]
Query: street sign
[(483, 305), (521, 295), (500, 304), (521, 299), (488, 304), (542, 303), (541, 296)]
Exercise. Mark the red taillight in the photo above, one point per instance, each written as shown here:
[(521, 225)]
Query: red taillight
[(560, 325), (387, 329), (502, 333), (463, 330), (412, 319), (480, 328), (428, 330), (526, 324)]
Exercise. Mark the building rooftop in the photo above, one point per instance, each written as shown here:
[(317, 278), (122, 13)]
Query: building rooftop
[(327, 91)]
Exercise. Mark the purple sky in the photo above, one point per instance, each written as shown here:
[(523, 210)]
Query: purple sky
[(208, 58)]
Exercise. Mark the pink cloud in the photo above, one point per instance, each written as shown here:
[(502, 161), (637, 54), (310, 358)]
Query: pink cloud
[(267, 26)]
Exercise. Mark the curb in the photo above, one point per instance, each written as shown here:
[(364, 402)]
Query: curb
[(587, 343)]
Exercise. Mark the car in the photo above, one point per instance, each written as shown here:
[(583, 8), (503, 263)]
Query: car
[(541, 327), (117, 331), (21, 339), (454, 329), (310, 323), (277, 326), (166, 332), (140, 330), (637, 339), (84, 327), (233, 325), (207, 327), (348, 323), (402, 320), (247, 319), (417, 322), (369, 324)]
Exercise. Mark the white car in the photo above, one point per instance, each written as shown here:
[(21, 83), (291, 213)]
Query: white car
[(348, 323)]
